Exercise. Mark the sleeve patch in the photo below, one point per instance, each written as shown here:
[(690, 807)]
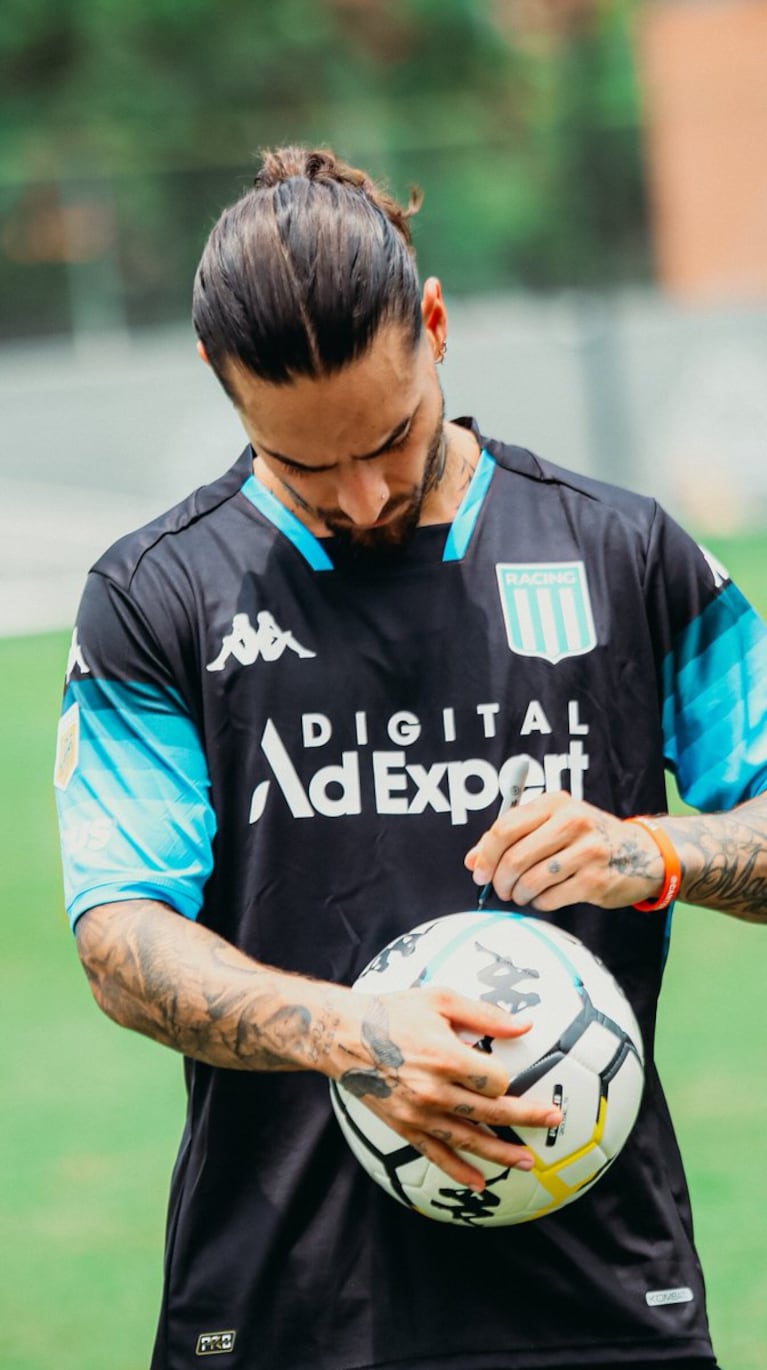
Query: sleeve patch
[(67, 747)]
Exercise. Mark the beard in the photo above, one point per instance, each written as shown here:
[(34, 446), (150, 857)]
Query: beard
[(402, 513)]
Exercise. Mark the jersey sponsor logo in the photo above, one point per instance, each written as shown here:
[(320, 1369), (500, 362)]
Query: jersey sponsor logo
[(246, 643), (397, 785), (75, 660), (215, 1343), (67, 747), (546, 609), (657, 1298)]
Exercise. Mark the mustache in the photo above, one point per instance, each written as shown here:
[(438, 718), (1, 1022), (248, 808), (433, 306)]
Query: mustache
[(338, 519)]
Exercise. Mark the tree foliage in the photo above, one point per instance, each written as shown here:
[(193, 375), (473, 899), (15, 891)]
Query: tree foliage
[(518, 119)]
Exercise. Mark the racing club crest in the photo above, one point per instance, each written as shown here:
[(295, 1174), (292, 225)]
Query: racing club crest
[(546, 609)]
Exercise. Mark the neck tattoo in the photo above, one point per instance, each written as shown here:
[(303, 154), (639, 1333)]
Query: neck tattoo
[(437, 473)]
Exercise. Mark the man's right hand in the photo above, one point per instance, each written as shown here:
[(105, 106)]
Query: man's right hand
[(411, 1065)]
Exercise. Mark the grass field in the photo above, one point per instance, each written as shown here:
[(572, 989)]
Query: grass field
[(92, 1114)]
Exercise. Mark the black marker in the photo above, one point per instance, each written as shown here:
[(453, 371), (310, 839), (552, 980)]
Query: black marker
[(509, 801)]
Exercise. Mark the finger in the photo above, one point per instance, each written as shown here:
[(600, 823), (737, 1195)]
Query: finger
[(488, 1147), (441, 1149), (508, 1111), (507, 830), (515, 860), (523, 874), (473, 1015), (479, 1073), (578, 889), (449, 1162)]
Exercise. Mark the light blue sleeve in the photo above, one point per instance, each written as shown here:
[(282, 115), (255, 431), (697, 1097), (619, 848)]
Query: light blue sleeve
[(133, 797), (715, 704)]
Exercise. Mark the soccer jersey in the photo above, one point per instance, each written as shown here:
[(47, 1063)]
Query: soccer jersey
[(296, 746)]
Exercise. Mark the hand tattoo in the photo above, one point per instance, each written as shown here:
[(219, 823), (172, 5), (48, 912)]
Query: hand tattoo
[(387, 1057)]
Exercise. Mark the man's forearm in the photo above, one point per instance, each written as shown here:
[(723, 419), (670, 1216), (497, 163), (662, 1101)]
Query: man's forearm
[(181, 984), (403, 1053), (724, 859)]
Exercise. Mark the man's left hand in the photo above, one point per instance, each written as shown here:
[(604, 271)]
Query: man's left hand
[(557, 850)]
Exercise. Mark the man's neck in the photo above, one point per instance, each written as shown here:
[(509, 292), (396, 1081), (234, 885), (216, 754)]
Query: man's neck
[(461, 457)]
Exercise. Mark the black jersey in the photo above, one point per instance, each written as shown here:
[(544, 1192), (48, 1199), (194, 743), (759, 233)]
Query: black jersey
[(297, 747)]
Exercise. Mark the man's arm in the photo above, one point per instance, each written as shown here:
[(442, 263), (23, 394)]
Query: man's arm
[(186, 987), (556, 851), (724, 859), (175, 981)]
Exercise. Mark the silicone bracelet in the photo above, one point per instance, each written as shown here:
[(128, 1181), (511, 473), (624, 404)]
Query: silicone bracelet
[(672, 868)]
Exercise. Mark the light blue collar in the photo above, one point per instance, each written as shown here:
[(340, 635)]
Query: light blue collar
[(312, 550)]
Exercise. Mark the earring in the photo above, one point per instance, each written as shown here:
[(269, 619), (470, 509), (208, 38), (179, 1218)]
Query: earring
[(442, 352)]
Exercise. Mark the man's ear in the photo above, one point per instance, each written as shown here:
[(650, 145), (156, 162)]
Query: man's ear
[(434, 315), (201, 353)]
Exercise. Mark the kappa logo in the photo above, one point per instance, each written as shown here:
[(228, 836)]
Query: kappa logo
[(246, 643), (76, 661), (719, 572), (547, 609)]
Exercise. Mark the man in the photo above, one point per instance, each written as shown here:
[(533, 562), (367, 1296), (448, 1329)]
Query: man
[(284, 735)]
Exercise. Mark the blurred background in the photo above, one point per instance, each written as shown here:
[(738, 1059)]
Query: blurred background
[(595, 179), (595, 182)]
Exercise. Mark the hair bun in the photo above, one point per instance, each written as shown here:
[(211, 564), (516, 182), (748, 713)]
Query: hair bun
[(321, 166), (311, 164), (280, 164)]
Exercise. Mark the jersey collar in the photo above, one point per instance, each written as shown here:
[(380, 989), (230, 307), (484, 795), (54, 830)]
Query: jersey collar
[(312, 549)]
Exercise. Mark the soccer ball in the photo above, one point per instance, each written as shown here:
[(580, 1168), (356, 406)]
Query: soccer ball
[(583, 1053)]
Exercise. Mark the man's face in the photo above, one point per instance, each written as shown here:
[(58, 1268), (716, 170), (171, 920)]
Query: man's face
[(357, 453)]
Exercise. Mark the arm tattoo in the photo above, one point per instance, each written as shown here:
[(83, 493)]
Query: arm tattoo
[(183, 985), (724, 859)]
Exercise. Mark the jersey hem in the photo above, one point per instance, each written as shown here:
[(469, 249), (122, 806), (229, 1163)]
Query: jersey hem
[(592, 1354), (120, 894)]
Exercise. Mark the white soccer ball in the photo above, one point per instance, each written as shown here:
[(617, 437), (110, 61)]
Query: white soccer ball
[(583, 1053)]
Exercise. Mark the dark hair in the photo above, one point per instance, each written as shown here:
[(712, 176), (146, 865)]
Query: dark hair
[(298, 275)]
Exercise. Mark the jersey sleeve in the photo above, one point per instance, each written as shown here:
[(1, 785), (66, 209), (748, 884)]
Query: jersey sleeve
[(131, 778), (712, 651)]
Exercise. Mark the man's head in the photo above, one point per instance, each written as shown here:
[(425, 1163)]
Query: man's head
[(308, 307), (300, 273)]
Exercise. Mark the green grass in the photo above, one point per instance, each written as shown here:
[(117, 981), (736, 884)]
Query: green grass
[(711, 1027), (92, 1114)]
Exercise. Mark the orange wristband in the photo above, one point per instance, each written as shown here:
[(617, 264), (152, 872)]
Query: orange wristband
[(672, 867)]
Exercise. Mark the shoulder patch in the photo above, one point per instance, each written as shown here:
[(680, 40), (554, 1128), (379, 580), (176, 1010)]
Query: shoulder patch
[(67, 747)]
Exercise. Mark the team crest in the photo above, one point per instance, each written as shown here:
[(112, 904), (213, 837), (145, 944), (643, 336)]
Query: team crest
[(546, 609)]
